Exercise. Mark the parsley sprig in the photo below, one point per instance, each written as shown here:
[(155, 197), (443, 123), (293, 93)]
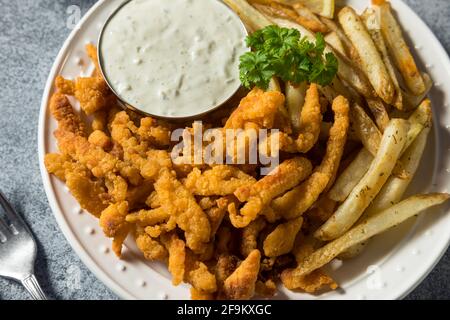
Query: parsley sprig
[(282, 52)]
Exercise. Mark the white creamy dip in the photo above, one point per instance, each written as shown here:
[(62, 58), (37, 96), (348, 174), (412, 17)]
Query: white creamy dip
[(173, 58)]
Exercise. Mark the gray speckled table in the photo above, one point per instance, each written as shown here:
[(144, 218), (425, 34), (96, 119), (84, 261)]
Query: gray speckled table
[(31, 34)]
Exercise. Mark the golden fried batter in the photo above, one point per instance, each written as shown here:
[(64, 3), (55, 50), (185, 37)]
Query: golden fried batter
[(114, 224), (297, 201), (220, 180), (257, 107), (177, 256), (250, 235), (181, 205), (310, 283), (240, 285), (286, 176), (281, 240)]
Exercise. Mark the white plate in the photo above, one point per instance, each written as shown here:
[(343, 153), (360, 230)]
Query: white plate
[(393, 264)]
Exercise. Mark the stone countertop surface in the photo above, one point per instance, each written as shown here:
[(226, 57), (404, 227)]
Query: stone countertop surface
[(31, 34)]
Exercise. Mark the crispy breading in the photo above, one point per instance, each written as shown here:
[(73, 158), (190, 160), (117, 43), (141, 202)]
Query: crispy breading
[(114, 224), (310, 125), (156, 132), (148, 217), (197, 294), (65, 86), (286, 176), (64, 114), (181, 204), (250, 235), (152, 249), (216, 215), (310, 283), (220, 180), (100, 139), (281, 240), (87, 192), (257, 107), (225, 266), (92, 53), (177, 256), (55, 163), (99, 121), (297, 201), (240, 285), (92, 93), (198, 275)]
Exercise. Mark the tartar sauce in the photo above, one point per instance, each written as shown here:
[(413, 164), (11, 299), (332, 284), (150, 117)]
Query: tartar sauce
[(173, 58)]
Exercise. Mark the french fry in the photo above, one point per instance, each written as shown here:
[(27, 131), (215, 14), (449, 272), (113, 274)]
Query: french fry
[(295, 98), (301, 15), (366, 190), (365, 129), (370, 59), (412, 101), (251, 17), (403, 58), (367, 229), (350, 177), (379, 112), (348, 45), (394, 189), (333, 40), (313, 22), (420, 119), (346, 70), (372, 23)]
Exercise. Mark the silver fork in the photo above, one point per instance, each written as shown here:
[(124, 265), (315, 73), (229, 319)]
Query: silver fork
[(18, 251)]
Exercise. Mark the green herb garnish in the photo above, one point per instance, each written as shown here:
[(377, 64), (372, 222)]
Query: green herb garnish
[(283, 53)]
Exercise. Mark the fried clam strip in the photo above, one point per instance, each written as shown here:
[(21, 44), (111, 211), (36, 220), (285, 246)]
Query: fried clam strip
[(148, 162), (281, 240), (361, 233), (184, 210), (347, 69), (72, 141), (92, 93), (250, 235), (258, 108), (366, 190), (151, 248), (370, 59), (177, 256), (148, 217), (349, 178), (297, 201), (286, 176), (240, 285), (114, 224), (90, 193), (310, 124), (220, 180), (198, 275)]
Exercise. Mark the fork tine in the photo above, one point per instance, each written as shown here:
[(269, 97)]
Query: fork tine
[(4, 231), (11, 214)]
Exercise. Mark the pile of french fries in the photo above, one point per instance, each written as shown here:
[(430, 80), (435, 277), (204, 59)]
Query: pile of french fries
[(390, 116)]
